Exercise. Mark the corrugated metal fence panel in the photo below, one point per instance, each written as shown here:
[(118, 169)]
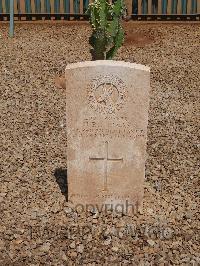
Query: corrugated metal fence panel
[(16, 7), (22, 7), (76, 6), (136, 7), (5, 6)]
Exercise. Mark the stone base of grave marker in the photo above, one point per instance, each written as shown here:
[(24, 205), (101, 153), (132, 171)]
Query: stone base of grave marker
[(107, 116)]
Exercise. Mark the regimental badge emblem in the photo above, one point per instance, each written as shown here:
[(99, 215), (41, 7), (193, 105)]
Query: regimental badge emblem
[(106, 94)]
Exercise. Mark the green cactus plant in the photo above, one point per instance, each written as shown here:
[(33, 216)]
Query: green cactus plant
[(108, 34)]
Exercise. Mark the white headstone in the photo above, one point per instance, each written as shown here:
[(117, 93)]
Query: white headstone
[(107, 116)]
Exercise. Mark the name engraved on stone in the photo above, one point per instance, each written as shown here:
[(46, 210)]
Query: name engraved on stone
[(106, 159), (116, 126)]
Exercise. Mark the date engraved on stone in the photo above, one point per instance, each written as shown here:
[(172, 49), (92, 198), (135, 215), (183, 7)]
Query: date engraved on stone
[(105, 196)]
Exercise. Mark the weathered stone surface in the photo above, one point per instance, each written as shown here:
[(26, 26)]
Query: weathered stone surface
[(32, 106), (107, 116)]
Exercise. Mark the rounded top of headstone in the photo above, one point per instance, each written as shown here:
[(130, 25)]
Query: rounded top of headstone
[(107, 63)]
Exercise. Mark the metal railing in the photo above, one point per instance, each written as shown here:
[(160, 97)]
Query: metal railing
[(75, 9)]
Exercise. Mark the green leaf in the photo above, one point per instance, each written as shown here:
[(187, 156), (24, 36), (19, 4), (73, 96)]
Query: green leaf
[(107, 35), (118, 41), (98, 42), (118, 7), (113, 27)]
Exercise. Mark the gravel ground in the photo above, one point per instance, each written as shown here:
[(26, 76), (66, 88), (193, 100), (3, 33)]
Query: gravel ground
[(37, 225)]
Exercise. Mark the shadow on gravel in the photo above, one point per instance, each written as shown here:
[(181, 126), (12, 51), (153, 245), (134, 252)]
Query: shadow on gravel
[(61, 178)]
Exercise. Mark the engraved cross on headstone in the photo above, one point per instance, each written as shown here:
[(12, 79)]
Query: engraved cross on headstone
[(106, 159)]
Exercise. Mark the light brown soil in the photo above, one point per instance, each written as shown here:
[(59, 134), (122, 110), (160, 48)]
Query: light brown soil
[(33, 205), (138, 40)]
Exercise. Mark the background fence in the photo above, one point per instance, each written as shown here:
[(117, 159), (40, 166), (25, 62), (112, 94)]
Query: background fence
[(70, 9)]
